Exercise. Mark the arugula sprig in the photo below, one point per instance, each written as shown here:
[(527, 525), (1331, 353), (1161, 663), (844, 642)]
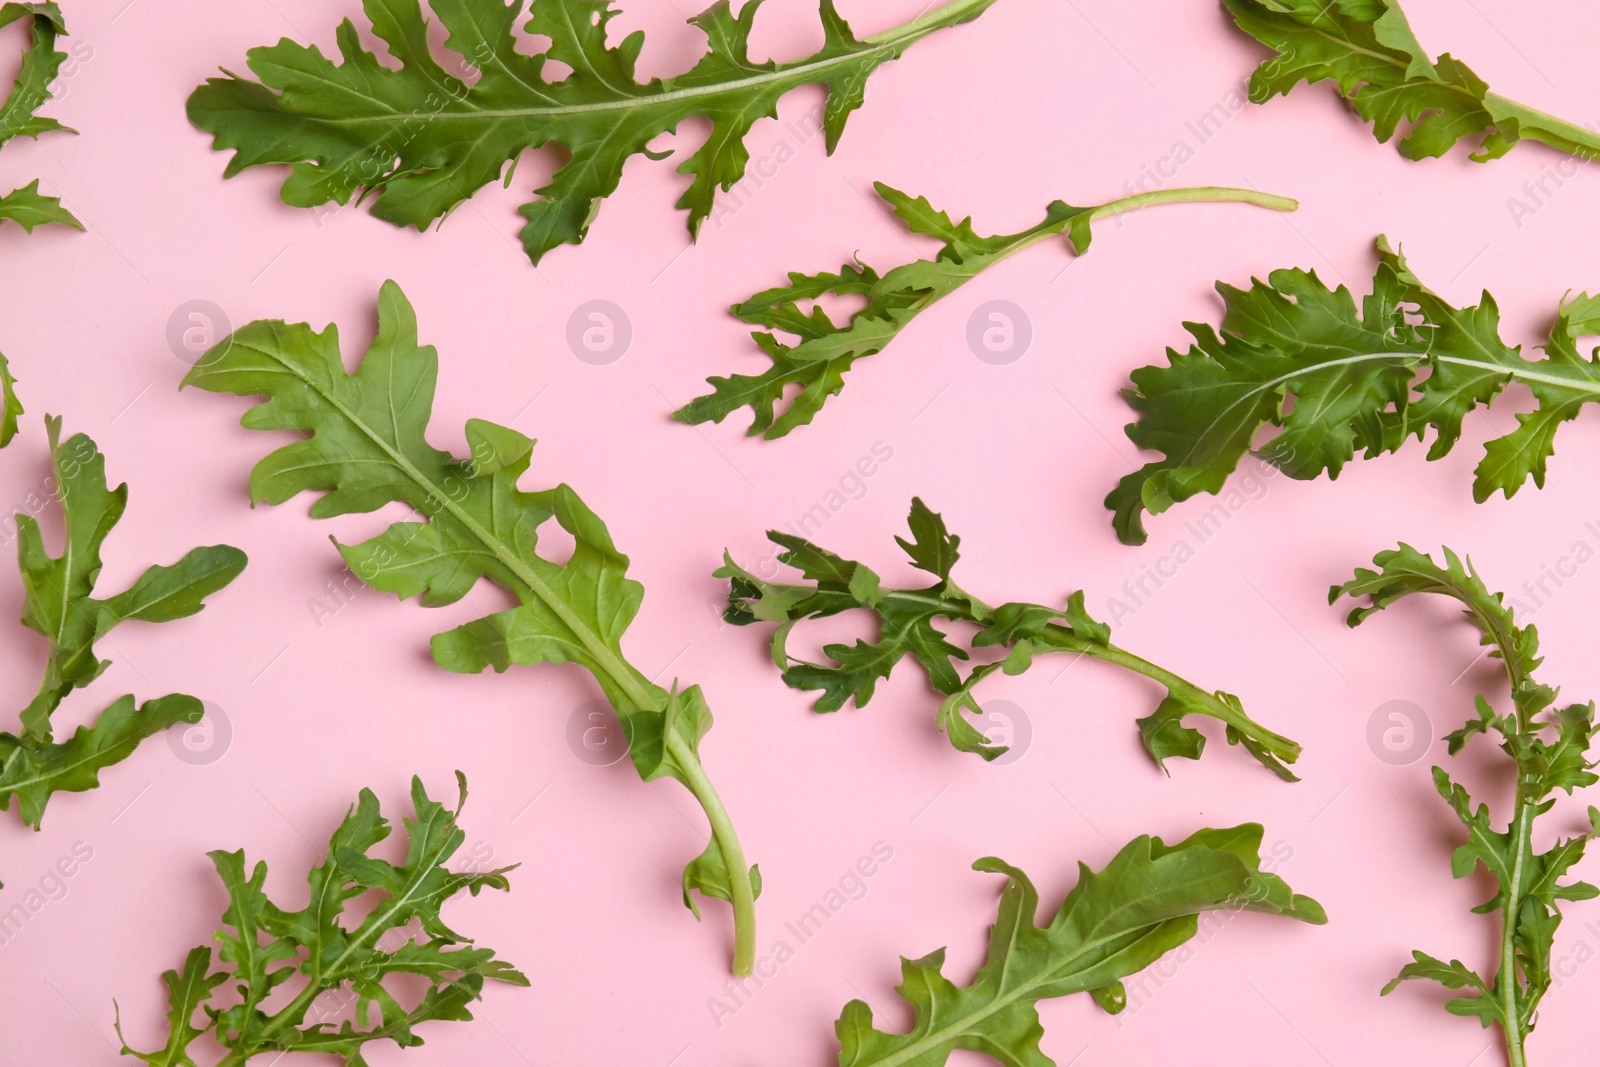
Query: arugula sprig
[(1368, 49), (825, 350), (1550, 749), (1114, 923), (1368, 377), (10, 403), (59, 604), (422, 141), (364, 446), (264, 946), (906, 626), (41, 60)]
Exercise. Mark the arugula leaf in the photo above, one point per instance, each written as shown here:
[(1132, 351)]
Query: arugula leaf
[(403, 934), (10, 403), (364, 446), (29, 208), (41, 60), (1549, 748), (906, 627), (423, 141), (1114, 923), (59, 604), (1368, 378), (826, 350), (1368, 49)]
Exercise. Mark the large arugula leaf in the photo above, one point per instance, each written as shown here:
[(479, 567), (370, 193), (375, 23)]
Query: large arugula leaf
[(1549, 748), (1368, 49), (1114, 923), (907, 627), (41, 59), (1332, 377), (423, 141), (364, 446), (825, 350), (264, 946), (59, 604)]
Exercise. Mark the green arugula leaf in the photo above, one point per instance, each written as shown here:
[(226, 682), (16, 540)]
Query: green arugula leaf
[(1549, 748), (29, 208), (1368, 49), (403, 934), (1370, 377), (422, 140), (1114, 923), (364, 446), (59, 604), (826, 350), (10, 403), (41, 60), (907, 627)]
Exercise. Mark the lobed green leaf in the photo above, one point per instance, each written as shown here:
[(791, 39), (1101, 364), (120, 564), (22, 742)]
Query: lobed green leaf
[(908, 626)]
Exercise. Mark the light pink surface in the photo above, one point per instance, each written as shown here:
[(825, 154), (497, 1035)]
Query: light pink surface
[(1035, 101)]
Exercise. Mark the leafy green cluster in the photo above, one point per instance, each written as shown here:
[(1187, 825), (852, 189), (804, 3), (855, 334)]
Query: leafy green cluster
[(264, 946), (1549, 747), (826, 350), (906, 626), (59, 604), (27, 207), (1334, 377), (1113, 924), (363, 446), (1368, 49), (423, 140)]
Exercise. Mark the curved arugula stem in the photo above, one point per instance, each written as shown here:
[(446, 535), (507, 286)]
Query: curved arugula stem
[(742, 891), (825, 350)]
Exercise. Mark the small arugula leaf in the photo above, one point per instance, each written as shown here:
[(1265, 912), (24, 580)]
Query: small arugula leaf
[(59, 604), (907, 627), (364, 445), (29, 208), (19, 117), (10, 403), (1115, 922), (422, 141), (1333, 377), (1368, 49), (826, 350), (328, 950), (1549, 748), (33, 769)]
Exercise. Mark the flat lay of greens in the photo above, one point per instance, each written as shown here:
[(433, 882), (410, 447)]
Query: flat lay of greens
[(224, 163)]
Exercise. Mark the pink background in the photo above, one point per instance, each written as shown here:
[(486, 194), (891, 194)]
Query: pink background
[(1035, 101)]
